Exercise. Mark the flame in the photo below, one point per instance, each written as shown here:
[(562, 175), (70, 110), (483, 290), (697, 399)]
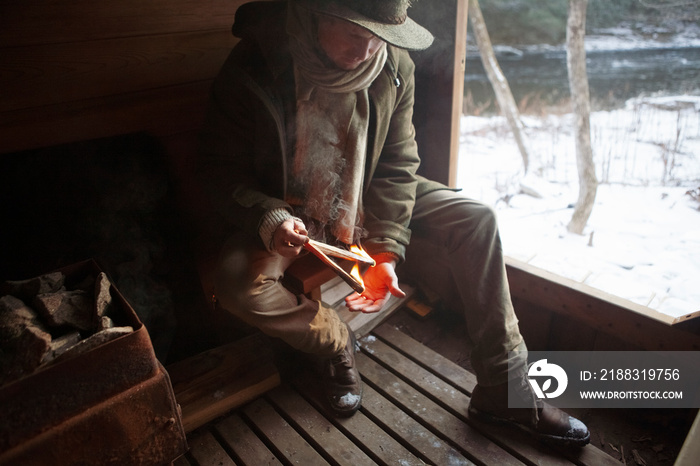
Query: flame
[(355, 272), (358, 250)]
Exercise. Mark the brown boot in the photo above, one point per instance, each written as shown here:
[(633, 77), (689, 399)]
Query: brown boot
[(543, 421), (343, 386)]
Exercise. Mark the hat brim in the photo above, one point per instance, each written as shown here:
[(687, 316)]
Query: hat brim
[(408, 35)]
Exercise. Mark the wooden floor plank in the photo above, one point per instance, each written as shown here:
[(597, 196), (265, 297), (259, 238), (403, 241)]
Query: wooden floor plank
[(456, 403), (334, 291), (248, 448), (378, 444), (319, 430), (588, 456), (511, 439), (445, 394), (432, 415), (441, 366), (428, 446), (540, 453), (206, 451), (414, 412), (284, 439)]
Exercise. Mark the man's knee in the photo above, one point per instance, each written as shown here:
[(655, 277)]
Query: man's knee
[(477, 222), (487, 218), (230, 283)]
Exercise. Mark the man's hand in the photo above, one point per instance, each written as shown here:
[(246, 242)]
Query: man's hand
[(380, 281), (290, 237)]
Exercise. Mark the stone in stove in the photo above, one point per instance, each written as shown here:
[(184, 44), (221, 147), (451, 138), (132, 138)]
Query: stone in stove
[(21, 333), (66, 308), (42, 322), (27, 289)]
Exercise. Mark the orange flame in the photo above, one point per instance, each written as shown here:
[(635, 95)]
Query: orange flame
[(355, 272)]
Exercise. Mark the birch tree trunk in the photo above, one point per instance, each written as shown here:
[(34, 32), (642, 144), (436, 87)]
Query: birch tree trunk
[(578, 83), (498, 81)]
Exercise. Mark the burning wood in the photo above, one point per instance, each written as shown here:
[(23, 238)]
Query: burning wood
[(355, 254), (355, 282)]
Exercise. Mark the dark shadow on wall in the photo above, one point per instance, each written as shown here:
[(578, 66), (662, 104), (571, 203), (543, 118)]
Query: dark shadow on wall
[(107, 199)]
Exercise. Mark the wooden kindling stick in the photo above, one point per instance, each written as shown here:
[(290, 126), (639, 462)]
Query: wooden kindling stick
[(342, 253), (349, 279)]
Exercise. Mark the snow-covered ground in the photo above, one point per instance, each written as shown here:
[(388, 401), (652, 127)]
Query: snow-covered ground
[(642, 241), (676, 35)]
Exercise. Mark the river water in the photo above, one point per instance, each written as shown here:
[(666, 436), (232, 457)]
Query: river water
[(614, 76)]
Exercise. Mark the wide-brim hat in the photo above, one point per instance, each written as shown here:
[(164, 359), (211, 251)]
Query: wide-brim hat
[(386, 19)]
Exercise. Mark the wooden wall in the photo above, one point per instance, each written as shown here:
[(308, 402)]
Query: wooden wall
[(440, 87), (76, 70), (560, 314)]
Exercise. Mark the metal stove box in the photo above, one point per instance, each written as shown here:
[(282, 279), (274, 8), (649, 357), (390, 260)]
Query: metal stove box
[(113, 405)]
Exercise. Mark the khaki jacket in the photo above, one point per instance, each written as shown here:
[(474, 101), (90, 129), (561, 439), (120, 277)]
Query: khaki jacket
[(245, 144)]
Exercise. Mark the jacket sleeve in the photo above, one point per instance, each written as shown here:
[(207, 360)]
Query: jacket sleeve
[(390, 195), (233, 146)]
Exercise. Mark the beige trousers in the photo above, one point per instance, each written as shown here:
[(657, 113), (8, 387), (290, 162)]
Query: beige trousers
[(455, 250), (306, 325)]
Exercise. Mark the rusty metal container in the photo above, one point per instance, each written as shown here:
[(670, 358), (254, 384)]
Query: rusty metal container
[(113, 405)]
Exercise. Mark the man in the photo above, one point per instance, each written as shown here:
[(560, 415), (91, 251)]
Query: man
[(310, 134)]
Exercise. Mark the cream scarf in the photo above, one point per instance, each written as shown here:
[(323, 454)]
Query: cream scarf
[(332, 124)]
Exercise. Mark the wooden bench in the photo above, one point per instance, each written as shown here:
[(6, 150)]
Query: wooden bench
[(216, 381)]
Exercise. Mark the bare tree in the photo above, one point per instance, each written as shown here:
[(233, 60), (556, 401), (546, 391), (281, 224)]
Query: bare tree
[(578, 83), (498, 81)]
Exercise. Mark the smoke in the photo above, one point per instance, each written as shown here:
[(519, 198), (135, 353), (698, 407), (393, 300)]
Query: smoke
[(318, 173)]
